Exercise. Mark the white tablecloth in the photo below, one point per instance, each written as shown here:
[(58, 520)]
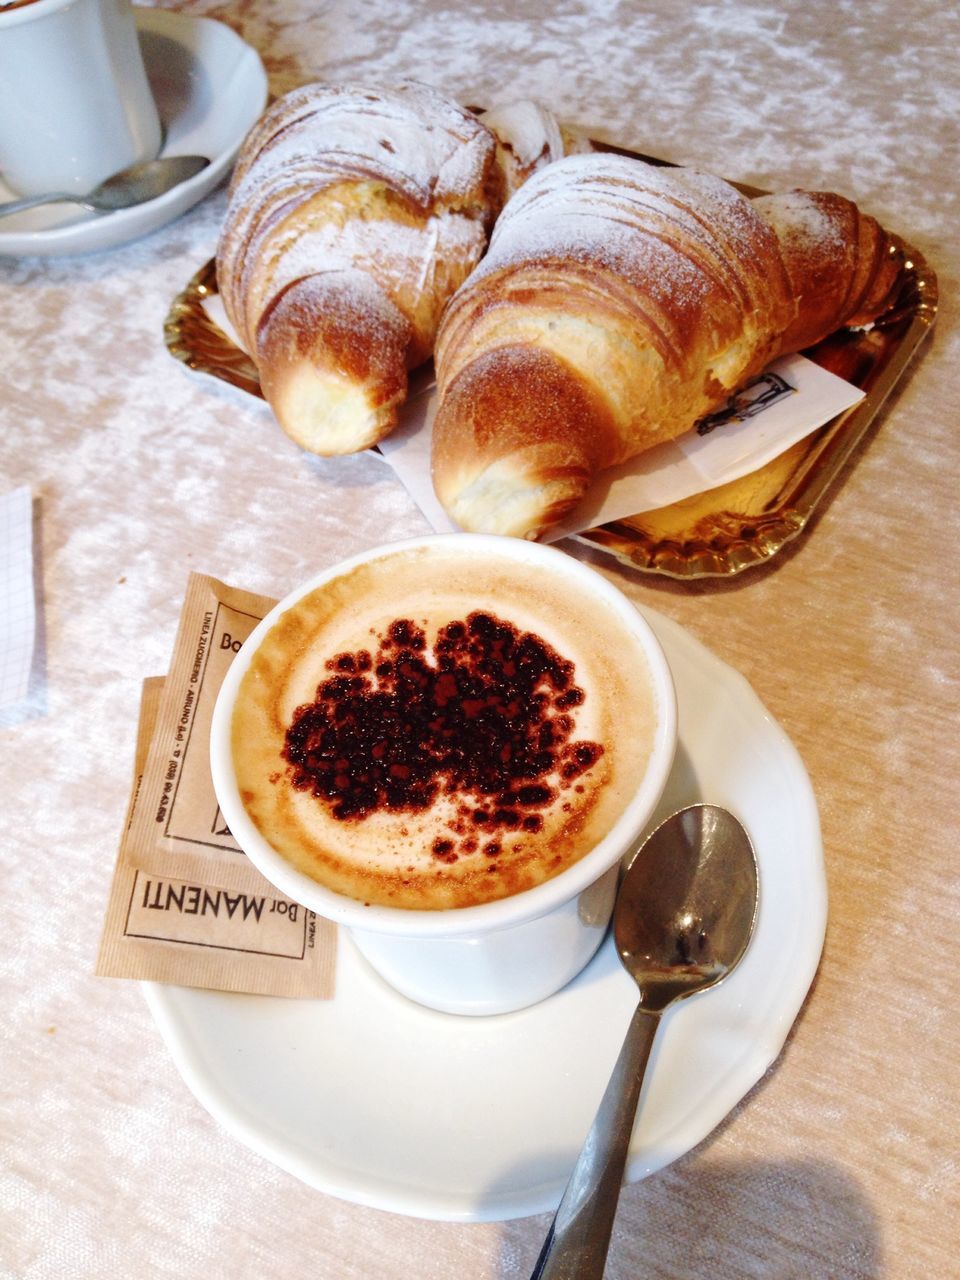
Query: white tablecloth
[(841, 1163)]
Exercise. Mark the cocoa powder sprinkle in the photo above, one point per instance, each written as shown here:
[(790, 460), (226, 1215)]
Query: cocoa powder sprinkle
[(485, 717)]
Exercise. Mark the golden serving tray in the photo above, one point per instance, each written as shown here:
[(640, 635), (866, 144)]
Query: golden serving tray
[(722, 531)]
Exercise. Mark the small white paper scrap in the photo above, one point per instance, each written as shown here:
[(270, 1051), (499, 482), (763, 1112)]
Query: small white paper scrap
[(789, 401), (17, 608)]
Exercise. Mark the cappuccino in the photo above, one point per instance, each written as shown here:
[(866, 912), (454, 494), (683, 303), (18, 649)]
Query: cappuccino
[(433, 729)]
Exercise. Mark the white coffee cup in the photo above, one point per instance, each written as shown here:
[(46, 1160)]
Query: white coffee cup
[(75, 103), (509, 953)]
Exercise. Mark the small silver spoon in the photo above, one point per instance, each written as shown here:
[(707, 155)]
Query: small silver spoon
[(139, 183), (684, 916)]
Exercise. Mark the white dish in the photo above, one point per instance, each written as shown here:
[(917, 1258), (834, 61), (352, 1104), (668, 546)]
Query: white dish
[(210, 88), (381, 1102)]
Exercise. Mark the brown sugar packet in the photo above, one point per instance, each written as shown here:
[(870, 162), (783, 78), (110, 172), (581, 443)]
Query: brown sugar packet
[(178, 830), (167, 930)]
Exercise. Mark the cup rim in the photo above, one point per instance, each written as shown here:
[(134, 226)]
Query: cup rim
[(487, 916)]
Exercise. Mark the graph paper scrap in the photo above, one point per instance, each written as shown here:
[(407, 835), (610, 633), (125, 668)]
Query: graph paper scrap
[(17, 607)]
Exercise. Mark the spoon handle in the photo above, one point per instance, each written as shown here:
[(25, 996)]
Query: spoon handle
[(579, 1236), (31, 202)]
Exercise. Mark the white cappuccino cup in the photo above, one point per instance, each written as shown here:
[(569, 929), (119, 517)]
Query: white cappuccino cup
[(453, 910), (75, 103)]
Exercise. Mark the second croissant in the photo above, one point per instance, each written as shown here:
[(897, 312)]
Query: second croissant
[(618, 303)]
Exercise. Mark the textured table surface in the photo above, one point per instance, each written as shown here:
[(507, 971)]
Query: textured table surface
[(842, 1162)]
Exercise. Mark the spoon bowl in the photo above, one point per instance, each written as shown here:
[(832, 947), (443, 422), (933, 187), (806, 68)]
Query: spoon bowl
[(132, 186), (687, 905), (684, 917)]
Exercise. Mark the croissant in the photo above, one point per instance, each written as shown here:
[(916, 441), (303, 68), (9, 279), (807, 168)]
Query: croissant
[(354, 213), (529, 136), (842, 266), (620, 302)]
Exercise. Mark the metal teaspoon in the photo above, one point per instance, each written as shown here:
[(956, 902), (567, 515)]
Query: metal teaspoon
[(684, 916), (135, 185)]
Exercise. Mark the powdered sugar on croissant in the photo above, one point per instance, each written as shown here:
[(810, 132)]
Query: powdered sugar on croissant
[(354, 214), (618, 303)]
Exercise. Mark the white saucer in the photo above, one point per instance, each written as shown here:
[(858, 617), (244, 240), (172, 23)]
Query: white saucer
[(210, 88), (378, 1101)]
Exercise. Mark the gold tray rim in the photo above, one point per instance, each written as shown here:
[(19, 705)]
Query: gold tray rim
[(194, 339)]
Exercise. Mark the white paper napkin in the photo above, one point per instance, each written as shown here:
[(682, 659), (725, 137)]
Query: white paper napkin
[(792, 399), (17, 608)]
